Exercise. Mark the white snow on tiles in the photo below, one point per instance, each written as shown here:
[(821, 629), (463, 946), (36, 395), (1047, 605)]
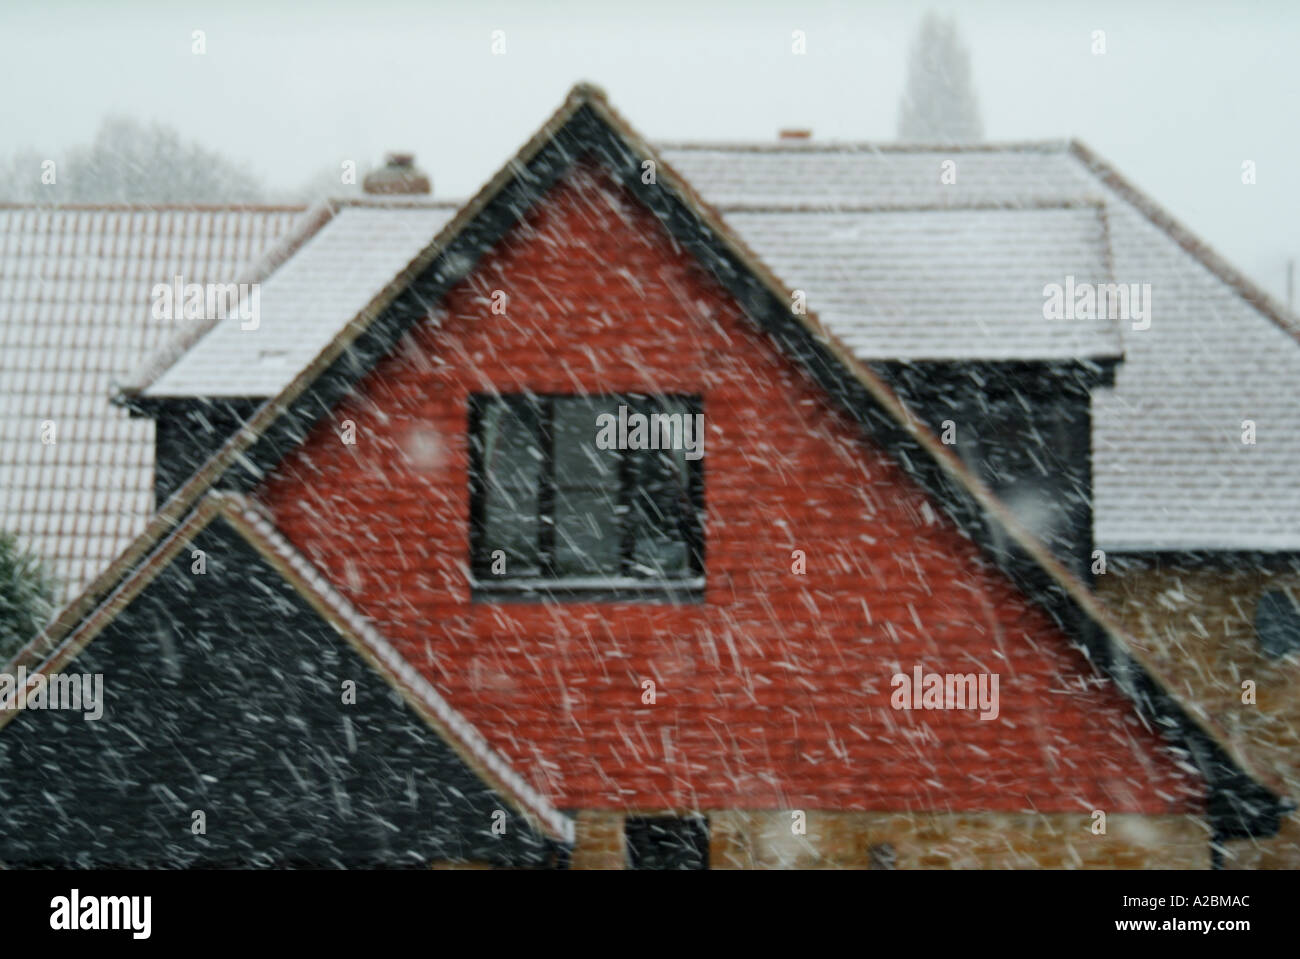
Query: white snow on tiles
[(1170, 468), (304, 303), (940, 284), (75, 284)]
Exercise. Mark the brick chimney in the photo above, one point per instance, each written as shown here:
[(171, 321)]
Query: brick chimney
[(398, 175)]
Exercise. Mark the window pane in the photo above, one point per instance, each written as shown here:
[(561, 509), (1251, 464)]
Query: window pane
[(511, 459), (1277, 624), (587, 515), (558, 506), (661, 500), (586, 534)]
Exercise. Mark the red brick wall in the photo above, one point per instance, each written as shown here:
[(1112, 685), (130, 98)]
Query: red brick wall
[(775, 692)]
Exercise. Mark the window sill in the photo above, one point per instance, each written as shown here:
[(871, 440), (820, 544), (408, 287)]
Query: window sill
[(590, 589)]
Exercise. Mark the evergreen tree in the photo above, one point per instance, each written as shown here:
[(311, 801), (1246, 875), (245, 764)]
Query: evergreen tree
[(27, 593), (939, 103)]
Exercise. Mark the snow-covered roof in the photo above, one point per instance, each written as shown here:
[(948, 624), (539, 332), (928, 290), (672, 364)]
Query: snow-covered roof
[(75, 315), (304, 303), (828, 175), (1170, 470), (938, 283), (900, 265)]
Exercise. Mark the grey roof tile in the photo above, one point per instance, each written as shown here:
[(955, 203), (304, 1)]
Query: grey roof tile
[(305, 303), (1170, 469), (940, 283), (75, 288)]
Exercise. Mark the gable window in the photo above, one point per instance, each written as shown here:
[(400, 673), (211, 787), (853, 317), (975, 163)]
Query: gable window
[(1277, 623), (552, 511), (1028, 458), (665, 842)]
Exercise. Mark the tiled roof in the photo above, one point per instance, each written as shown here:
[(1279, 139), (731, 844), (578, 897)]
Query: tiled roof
[(1170, 469), (875, 237), (933, 282), (75, 316), (831, 175), (304, 303)]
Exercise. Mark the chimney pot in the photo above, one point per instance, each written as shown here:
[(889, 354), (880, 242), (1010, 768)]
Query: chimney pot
[(399, 176)]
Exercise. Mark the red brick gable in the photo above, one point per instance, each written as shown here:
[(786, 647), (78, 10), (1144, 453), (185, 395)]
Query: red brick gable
[(773, 693)]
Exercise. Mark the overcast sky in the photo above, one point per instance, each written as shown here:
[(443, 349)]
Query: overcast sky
[(1184, 93)]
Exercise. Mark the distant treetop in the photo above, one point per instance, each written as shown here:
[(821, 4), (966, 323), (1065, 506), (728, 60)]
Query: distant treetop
[(128, 162), (939, 103)]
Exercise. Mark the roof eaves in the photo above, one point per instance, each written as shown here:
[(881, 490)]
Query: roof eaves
[(397, 202), (313, 220), (857, 146), (1243, 286)]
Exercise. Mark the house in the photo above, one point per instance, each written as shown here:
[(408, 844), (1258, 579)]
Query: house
[(650, 658)]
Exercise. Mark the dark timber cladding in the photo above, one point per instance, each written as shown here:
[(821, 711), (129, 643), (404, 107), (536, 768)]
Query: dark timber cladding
[(1020, 426), (187, 432), (1238, 805), (214, 712)]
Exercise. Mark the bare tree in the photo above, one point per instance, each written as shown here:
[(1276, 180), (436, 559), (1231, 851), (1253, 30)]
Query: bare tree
[(129, 162)]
